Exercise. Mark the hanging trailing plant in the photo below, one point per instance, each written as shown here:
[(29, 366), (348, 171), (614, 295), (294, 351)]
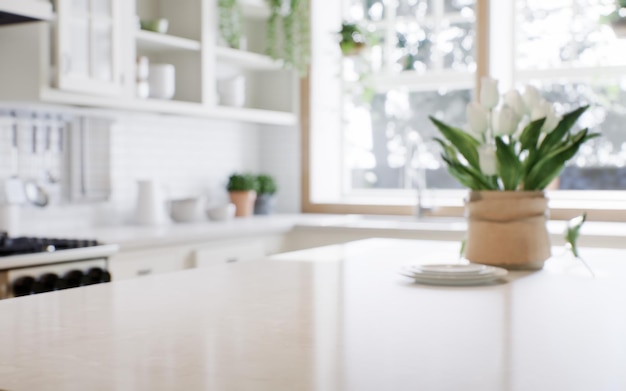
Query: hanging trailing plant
[(230, 22), (288, 33)]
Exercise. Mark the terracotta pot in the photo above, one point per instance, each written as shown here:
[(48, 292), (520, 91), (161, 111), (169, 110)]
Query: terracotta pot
[(508, 229), (244, 202)]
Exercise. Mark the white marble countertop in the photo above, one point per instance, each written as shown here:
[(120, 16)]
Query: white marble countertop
[(337, 318), (596, 234)]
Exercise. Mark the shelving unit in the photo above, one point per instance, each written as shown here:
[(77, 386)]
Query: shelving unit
[(246, 60), (190, 45), (149, 41)]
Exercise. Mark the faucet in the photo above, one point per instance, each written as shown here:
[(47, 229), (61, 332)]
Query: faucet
[(420, 182), (419, 175)]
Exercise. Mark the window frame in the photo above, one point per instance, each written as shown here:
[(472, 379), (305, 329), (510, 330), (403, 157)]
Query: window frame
[(599, 205)]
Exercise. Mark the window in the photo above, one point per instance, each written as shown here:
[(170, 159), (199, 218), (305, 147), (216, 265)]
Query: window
[(422, 60), (574, 60)]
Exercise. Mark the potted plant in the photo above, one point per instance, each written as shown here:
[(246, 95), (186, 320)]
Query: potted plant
[(242, 192), (288, 33), (266, 199), (230, 22), (352, 39), (508, 155)]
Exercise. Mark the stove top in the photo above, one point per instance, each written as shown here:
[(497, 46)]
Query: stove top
[(24, 251), (31, 245)]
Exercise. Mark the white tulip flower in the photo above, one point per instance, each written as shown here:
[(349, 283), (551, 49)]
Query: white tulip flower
[(532, 98), (514, 99), (487, 159), (545, 110), (505, 121), (477, 118), (489, 96)]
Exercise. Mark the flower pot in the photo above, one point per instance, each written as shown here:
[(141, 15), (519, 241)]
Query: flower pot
[(244, 202), (507, 229), (264, 204)]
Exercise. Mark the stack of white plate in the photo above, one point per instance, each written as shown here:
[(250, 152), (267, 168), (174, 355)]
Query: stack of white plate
[(453, 274)]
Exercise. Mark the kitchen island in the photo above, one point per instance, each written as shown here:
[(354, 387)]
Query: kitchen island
[(338, 317)]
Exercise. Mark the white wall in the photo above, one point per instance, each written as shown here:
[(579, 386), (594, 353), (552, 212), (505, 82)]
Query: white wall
[(188, 156)]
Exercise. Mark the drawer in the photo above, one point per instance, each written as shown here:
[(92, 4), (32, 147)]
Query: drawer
[(133, 264), (236, 251)]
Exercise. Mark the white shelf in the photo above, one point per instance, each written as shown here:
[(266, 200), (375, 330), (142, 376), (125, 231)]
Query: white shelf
[(194, 109), (255, 115), (157, 42), (247, 60)]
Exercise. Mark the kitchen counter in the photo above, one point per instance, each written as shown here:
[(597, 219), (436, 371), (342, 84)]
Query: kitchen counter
[(130, 237), (337, 318)]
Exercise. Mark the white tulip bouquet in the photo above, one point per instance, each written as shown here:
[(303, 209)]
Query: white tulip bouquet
[(521, 144)]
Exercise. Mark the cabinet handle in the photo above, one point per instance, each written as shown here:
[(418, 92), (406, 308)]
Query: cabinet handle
[(231, 260), (144, 272)]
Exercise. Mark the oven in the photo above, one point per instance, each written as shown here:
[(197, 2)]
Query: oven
[(32, 265)]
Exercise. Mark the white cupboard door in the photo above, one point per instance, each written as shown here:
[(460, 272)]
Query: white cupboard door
[(88, 45)]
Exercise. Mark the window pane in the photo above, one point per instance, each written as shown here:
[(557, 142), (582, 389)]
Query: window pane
[(372, 10), (413, 8), (389, 141), (387, 136), (457, 46), (414, 48), (555, 33), (462, 6)]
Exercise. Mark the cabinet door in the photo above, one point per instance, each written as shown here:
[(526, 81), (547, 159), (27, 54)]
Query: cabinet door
[(131, 264), (88, 46), (227, 252)]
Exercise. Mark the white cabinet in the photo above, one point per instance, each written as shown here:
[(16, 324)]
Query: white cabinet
[(143, 262), (88, 46), (138, 263), (228, 252)]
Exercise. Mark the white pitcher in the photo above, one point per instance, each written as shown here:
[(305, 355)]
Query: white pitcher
[(150, 204)]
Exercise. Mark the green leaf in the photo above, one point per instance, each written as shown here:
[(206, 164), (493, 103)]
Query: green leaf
[(573, 231), (550, 165), (461, 140), (466, 175), (509, 166), (530, 135), (561, 130)]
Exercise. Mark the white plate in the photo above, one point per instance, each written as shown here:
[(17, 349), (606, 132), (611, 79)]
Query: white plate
[(452, 269), (475, 277)]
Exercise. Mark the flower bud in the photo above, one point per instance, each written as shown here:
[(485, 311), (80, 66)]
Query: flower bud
[(477, 118), (489, 93), (532, 98), (505, 121), (545, 110), (515, 101), (487, 159)]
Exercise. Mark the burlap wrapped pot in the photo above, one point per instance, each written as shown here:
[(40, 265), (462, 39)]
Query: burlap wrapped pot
[(507, 229)]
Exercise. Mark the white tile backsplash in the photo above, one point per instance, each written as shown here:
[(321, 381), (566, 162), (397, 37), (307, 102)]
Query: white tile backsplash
[(188, 157)]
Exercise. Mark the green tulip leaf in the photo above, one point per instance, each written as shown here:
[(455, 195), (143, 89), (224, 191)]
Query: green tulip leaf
[(530, 135), (509, 166), (462, 141), (561, 130)]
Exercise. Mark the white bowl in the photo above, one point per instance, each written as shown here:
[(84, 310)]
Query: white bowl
[(185, 210), (222, 213)]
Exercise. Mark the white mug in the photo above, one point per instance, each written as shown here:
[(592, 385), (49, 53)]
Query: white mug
[(162, 80), (232, 91)]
